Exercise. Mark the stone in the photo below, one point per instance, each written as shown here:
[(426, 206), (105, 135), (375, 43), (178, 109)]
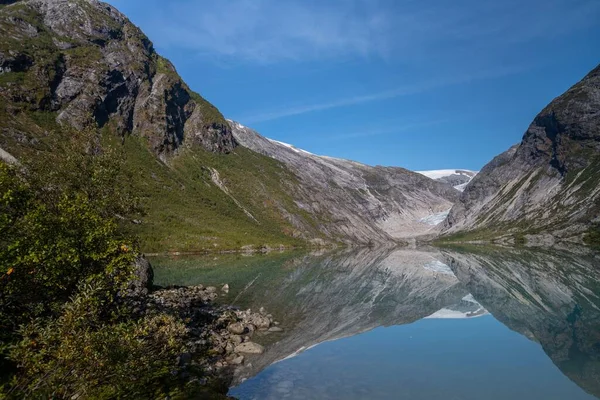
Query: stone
[(236, 328), (143, 279), (260, 321), (229, 347), (275, 329), (211, 289), (237, 361), (225, 288), (235, 339), (249, 348)]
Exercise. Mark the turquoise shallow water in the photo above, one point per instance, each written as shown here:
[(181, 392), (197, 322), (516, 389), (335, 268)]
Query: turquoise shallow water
[(482, 323)]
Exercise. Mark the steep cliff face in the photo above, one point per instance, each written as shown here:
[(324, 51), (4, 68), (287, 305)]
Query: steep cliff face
[(550, 182), (87, 64), (354, 200)]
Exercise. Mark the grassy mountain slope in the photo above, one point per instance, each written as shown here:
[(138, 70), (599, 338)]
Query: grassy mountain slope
[(67, 69)]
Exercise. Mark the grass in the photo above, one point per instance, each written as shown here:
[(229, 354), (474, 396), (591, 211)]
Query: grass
[(185, 211)]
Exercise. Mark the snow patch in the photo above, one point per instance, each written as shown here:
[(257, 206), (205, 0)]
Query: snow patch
[(441, 173), (439, 267), (291, 147), (435, 219)]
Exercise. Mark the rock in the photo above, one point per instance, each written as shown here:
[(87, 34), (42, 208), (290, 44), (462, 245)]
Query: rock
[(275, 329), (251, 328), (236, 328), (237, 361), (225, 288), (141, 284), (229, 347), (262, 310), (235, 339), (260, 321), (211, 289), (249, 348), (388, 192), (547, 184)]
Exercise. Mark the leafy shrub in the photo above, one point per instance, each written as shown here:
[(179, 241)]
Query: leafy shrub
[(87, 354), (65, 258)]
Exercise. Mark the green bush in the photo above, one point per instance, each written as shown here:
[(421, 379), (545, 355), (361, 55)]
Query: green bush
[(65, 258), (59, 226), (89, 355)]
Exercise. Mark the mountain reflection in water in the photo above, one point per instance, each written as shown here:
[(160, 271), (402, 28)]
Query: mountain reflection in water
[(549, 297)]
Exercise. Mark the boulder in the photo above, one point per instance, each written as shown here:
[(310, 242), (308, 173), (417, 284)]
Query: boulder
[(249, 348), (260, 321), (236, 328)]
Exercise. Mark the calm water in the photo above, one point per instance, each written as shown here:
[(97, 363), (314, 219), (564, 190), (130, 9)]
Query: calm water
[(406, 324)]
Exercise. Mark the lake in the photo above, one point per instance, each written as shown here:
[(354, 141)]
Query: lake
[(460, 323)]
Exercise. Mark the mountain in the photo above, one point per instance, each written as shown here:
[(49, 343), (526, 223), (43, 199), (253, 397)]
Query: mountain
[(550, 297), (77, 70), (355, 200), (458, 178), (547, 187)]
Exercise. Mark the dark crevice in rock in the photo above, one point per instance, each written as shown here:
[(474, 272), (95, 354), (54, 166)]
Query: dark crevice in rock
[(117, 91)]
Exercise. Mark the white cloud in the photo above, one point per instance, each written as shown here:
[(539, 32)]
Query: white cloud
[(416, 88), (268, 31)]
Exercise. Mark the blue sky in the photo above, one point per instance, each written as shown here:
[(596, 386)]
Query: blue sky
[(418, 84)]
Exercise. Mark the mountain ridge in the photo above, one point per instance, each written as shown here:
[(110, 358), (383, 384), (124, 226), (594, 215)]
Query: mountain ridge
[(71, 69), (545, 188)]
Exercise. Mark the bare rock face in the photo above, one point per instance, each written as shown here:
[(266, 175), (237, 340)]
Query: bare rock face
[(87, 62), (354, 201), (550, 182)]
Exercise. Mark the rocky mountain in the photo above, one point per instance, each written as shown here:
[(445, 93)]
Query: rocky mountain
[(355, 200), (550, 297), (548, 186), (458, 178), (84, 61), (77, 70)]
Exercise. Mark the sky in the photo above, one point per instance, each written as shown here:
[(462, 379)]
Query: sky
[(419, 84)]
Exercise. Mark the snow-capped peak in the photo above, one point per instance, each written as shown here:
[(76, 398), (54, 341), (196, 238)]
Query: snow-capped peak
[(459, 178)]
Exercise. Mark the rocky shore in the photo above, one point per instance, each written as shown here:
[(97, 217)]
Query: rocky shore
[(219, 338)]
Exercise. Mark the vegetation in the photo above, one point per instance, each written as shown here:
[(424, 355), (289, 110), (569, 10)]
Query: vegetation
[(66, 260), (186, 211)]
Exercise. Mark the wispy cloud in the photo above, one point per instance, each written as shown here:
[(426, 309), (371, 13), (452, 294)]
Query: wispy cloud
[(268, 31), (383, 95), (394, 127)]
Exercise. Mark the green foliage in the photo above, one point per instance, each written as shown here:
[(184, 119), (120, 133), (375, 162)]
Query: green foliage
[(59, 225), (65, 259), (186, 211), (88, 354)]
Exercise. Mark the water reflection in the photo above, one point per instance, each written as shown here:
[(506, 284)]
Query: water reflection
[(551, 298)]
